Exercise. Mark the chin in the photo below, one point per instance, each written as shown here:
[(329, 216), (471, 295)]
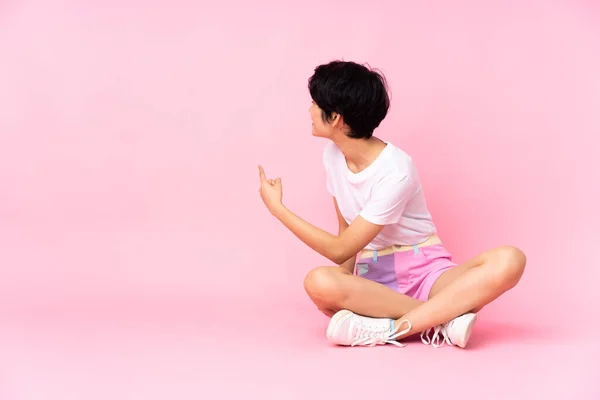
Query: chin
[(316, 133)]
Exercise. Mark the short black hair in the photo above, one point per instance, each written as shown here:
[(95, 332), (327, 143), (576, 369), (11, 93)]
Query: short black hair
[(359, 94)]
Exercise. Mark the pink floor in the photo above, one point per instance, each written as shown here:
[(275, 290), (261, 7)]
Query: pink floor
[(138, 353)]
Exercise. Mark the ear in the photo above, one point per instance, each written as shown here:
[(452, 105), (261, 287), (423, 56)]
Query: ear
[(336, 120)]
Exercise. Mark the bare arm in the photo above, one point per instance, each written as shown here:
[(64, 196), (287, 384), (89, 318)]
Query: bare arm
[(339, 249), (348, 265)]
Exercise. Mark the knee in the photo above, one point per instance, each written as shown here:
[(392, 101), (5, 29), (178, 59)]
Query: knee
[(510, 265), (323, 286)]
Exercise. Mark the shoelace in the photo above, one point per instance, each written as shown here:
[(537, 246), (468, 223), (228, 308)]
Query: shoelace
[(369, 337), (439, 337)]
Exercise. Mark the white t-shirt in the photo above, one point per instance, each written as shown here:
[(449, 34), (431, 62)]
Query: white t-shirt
[(388, 192)]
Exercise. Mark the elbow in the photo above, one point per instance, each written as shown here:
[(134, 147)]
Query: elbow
[(338, 260), (339, 257), (340, 252)]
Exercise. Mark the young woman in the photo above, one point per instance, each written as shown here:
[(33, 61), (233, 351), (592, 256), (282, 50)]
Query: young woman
[(393, 278)]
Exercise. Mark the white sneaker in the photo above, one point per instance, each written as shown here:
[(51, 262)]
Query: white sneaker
[(349, 329), (455, 332)]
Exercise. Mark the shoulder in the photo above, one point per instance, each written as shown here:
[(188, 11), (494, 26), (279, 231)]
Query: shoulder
[(397, 174), (329, 153), (330, 149), (398, 165)]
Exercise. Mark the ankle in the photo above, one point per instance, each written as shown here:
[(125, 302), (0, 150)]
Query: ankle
[(403, 325)]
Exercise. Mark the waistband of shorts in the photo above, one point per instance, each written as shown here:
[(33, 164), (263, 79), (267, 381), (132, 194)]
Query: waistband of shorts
[(433, 240)]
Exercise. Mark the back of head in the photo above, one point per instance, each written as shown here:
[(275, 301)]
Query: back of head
[(354, 91)]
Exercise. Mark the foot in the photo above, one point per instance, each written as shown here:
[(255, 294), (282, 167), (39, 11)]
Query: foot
[(349, 329), (455, 332)]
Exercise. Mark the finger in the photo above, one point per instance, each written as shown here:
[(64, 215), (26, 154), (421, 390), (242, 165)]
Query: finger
[(278, 181), (271, 181), (261, 173)]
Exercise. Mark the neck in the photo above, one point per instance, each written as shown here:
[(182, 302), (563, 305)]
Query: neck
[(359, 153)]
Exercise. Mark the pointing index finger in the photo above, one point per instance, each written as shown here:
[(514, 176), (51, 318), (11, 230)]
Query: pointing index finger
[(261, 173)]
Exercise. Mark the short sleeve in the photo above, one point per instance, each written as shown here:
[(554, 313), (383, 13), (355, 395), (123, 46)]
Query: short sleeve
[(328, 170), (388, 200)]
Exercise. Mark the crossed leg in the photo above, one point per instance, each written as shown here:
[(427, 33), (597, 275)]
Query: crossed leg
[(466, 287)]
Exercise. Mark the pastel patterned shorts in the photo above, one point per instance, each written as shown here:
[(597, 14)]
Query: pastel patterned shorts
[(411, 272)]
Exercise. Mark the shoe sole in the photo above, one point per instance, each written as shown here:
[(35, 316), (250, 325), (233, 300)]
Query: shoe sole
[(335, 320), (470, 321)]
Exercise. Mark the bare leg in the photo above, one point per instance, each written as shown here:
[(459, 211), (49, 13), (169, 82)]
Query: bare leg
[(333, 289), (330, 313), (467, 287)]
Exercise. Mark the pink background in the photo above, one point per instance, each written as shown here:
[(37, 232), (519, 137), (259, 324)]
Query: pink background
[(137, 260)]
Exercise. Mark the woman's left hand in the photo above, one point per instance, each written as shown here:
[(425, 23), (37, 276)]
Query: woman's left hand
[(270, 191)]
